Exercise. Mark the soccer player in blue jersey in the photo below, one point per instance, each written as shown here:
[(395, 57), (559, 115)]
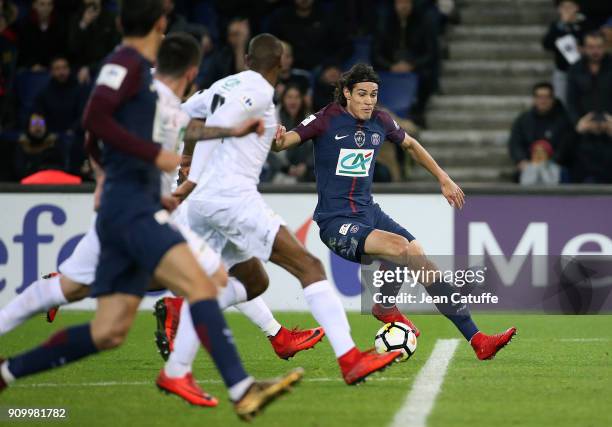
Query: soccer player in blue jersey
[(347, 135), (136, 240)]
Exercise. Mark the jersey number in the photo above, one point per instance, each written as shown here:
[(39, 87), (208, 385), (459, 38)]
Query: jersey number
[(217, 101)]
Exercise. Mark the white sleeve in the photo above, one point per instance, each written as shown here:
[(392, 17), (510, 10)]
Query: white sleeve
[(197, 106)]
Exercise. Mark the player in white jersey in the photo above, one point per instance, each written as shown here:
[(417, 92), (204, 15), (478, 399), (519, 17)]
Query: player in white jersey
[(227, 210), (77, 273)]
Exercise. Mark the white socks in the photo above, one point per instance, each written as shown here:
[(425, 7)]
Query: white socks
[(38, 297), (258, 312), (233, 293), (186, 345), (237, 390), (327, 309), (6, 374)]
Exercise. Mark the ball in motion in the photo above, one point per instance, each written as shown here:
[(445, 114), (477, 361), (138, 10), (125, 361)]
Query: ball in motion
[(396, 336)]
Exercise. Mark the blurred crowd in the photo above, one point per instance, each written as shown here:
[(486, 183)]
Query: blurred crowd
[(567, 134), (51, 51)]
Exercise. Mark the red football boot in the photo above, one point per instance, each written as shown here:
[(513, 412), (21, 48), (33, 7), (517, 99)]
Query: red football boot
[(356, 365), (51, 313), (287, 343), (186, 388), (487, 346), (392, 314), (3, 383), (167, 312)]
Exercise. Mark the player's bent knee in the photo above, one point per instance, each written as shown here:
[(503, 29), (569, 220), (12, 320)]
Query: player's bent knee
[(107, 337), (73, 291), (415, 249), (399, 247)]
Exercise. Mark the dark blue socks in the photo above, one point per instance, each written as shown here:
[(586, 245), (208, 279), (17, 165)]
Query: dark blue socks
[(458, 313), (216, 337), (64, 347)]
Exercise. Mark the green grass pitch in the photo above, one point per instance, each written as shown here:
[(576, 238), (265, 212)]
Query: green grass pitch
[(556, 372)]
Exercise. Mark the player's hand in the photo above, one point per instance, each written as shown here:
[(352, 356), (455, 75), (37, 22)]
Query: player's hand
[(184, 190), (452, 193), (585, 124), (169, 203), (249, 126), (277, 144), (167, 161)]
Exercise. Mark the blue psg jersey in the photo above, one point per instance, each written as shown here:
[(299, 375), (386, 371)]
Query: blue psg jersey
[(345, 150), (125, 87)]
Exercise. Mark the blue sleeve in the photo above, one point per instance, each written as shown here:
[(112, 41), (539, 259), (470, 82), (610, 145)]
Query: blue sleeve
[(311, 127)]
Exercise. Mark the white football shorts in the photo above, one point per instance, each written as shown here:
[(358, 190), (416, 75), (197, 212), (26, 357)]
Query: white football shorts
[(81, 266), (239, 227)]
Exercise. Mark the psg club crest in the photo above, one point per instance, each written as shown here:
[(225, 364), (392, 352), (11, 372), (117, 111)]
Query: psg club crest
[(360, 138), (375, 139)]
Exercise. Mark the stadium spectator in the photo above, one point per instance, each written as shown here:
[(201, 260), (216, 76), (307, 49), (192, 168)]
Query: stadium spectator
[(92, 35), (41, 36), (541, 169), (315, 36), (323, 90), (229, 59), (408, 43), (292, 76), (258, 12), (590, 109), (295, 165), (8, 57), (564, 38), (606, 29), (61, 101), (546, 120), (37, 149), (176, 21), (207, 45)]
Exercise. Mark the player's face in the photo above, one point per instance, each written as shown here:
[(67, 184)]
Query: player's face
[(360, 102)]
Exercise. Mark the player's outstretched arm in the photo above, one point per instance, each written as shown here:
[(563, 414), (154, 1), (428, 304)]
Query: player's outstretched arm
[(198, 131), (284, 140), (451, 191)]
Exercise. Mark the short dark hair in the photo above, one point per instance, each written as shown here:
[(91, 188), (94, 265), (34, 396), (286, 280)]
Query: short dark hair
[(542, 85), (265, 52), (359, 73), (178, 52), (58, 58), (596, 34), (138, 17), (558, 2)]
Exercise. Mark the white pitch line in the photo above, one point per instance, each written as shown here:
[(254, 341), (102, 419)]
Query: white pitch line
[(583, 339), (149, 383), (426, 386)]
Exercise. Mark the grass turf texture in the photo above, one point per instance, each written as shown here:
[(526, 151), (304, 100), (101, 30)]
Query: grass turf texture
[(541, 378)]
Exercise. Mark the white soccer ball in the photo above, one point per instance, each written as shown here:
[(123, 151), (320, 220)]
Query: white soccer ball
[(396, 336)]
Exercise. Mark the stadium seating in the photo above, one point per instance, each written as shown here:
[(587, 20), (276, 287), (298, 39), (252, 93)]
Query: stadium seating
[(362, 52), (398, 91)]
